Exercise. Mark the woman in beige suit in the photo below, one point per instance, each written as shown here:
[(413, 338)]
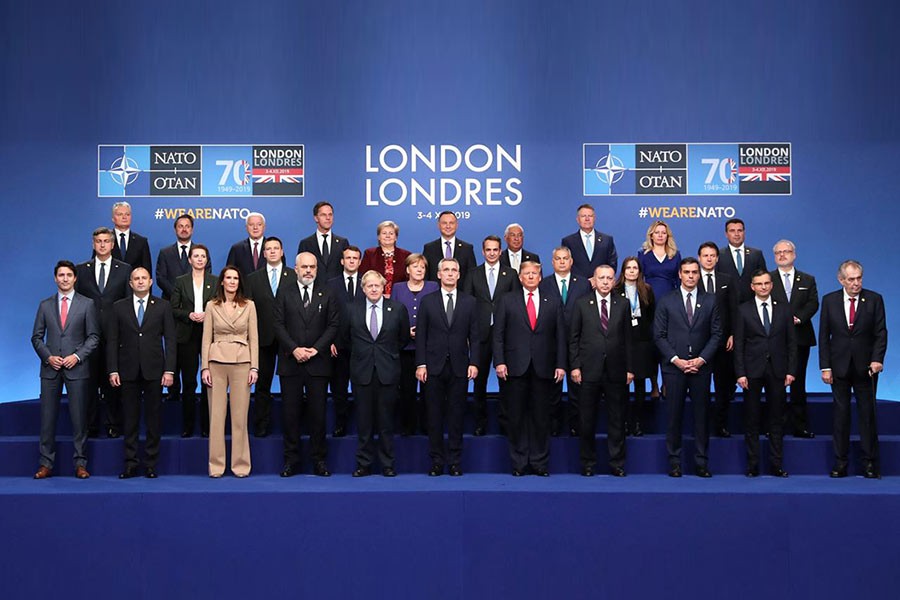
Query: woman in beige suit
[(230, 360)]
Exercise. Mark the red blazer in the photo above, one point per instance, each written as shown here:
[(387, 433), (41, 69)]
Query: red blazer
[(373, 259)]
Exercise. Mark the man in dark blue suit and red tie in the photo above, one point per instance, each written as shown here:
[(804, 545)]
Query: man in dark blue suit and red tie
[(530, 345), (590, 248), (446, 358), (687, 332), (765, 357), (852, 345)]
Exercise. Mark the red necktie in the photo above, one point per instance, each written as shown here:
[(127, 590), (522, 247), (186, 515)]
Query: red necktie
[(532, 313), (255, 254), (852, 312), (64, 311)]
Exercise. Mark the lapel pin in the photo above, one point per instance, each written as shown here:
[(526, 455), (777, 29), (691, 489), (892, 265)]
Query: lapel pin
[(389, 309)]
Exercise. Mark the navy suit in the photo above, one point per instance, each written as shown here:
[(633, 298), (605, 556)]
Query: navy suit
[(576, 287), (753, 261), (115, 289), (140, 354), (531, 358), (340, 374), (375, 374), (463, 252), (605, 359), (313, 326), (169, 266), (258, 288), (446, 350), (241, 256), (765, 359), (527, 255), (848, 353), (477, 285), (336, 246), (137, 251), (80, 336), (676, 337), (604, 252), (804, 303)]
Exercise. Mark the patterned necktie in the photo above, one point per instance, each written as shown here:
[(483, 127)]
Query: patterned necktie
[(101, 282), (565, 291), (689, 309), (122, 245), (852, 312), (255, 255), (64, 311), (492, 282), (767, 323), (140, 314), (273, 281), (305, 296), (450, 309), (448, 253), (604, 316), (787, 285), (325, 252), (739, 261), (532, 313), (184, 256), (373, 323)]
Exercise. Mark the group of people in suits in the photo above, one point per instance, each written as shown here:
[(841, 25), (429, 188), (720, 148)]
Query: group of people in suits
[(388, 320)]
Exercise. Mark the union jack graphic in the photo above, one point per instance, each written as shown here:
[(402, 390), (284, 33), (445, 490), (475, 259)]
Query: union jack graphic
[(277, 175), (765, 177)]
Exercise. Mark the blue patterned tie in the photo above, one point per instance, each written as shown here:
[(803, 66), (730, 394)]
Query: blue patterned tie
[(140, 311)]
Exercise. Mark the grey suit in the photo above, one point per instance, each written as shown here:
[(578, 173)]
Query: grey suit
[(80, 336)]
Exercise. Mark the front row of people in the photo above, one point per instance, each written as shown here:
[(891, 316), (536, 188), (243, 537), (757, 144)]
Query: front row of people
[(534, 340)]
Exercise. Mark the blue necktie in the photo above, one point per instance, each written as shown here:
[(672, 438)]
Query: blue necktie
[(767, 324), (565, 291), (739, 261), (122, 245), (273, 281), (140, 311), (492, 282)]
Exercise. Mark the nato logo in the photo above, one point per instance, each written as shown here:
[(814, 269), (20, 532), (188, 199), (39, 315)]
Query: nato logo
[(608, 169), (123, 171)]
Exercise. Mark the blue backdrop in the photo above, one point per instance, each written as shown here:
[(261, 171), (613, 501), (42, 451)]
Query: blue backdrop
[(547, 77)]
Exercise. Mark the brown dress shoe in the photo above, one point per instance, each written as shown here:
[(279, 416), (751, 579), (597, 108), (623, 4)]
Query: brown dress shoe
[(81, 473), (43, 473)]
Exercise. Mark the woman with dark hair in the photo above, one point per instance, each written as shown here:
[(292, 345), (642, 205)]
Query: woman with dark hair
[(640, 297), (410, 294), (386, 258), (230, 360)]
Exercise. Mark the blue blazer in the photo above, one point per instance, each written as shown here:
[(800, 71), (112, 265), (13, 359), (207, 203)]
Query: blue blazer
[(604, 253), (146, 350), (517, 346), (438, 342), (80, 337), (241, 256), (674, 336), (377, 359), (754, 349)]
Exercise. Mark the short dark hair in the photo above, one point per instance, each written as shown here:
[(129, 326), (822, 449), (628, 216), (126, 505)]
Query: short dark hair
[(68, 264), (353, 248), (273, 239), (183, 216), (708, 245), (446, 212), (583, 206), (759, 273), (200, 247), (689, 260), (491, 238), (734, 221), (319, 205)]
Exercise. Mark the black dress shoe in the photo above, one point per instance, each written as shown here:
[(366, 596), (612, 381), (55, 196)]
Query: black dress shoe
[(187, 434), (838, 472), (479, 431), (362, 472), (702, 472), (541, 472), (389, 472), (517, 473), (112, 433), (675, 471), (436, 470), (128, 473), (287, 471), (321, 470), (870, 472), (752, 472), (778, 472), (150, 473), (722, 432), (617, 472), (803, 433), (573, 432), (455, 471), (637, 431), (339, 431), (587, 471)]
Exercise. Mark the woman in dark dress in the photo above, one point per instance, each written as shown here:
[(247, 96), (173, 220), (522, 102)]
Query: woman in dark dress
[(640, 297), (410, 294), (386, 258)]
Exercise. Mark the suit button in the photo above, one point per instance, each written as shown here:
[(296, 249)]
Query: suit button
[(140, 334)]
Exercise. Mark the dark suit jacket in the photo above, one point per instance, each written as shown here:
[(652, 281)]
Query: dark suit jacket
[(577, 286), (476, 285), (754, 349), (438, 342), (338, 244), (600, 355), (116, 286), (866, 343), (753, 261), (241, 256), (183, 303), (338, 285), (727, 302), (169, 266), (142, 351), (517, 346), (382, 355), (464, 253), (675, 337), (259, 289), (804, 302), (526, 255), (604, 253), (315, 326), (80, 337), (137, 253)]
